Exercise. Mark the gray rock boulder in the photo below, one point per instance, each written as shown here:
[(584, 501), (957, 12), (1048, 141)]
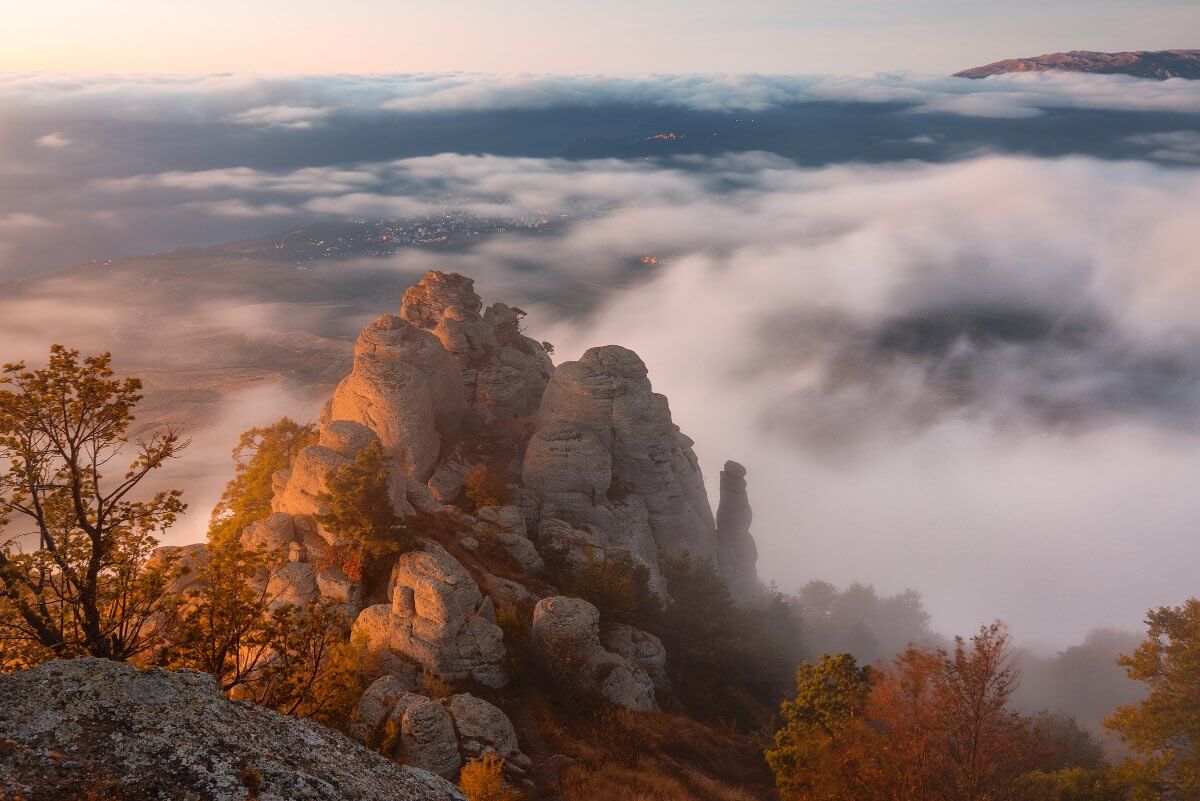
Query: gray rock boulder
[(438, 618), (565, 640), (483, 728), (506, 525), (414, 729), (640, 648), (172, 735), (503, 372)]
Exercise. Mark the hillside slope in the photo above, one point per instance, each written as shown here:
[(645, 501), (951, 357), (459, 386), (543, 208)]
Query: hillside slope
[(1157, 65)]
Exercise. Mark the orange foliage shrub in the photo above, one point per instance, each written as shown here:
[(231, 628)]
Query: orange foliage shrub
[(483, 780)]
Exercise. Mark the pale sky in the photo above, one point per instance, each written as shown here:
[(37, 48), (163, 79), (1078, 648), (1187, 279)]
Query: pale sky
[(617, 36)]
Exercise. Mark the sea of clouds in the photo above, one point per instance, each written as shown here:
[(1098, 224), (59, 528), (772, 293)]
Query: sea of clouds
[(975, 374)]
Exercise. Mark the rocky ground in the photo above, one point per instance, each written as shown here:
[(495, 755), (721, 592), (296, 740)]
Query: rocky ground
[(82, 726)]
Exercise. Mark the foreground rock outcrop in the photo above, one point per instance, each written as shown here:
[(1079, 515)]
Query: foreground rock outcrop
[(172, 735)]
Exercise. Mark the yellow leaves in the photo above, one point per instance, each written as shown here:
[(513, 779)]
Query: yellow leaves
[(483, 780)]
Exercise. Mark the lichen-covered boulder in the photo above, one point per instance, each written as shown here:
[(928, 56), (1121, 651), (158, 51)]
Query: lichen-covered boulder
[(417, 731), (173, 734)]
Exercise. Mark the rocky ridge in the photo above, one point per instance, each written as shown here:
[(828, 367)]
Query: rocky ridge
[(594, 470), (1157, 65)]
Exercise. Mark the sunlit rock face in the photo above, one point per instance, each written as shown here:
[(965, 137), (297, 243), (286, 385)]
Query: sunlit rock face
[(437, 618), (503, 372), (606, 455)]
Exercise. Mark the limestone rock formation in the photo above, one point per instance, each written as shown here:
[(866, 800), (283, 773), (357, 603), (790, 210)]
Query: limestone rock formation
[(169, 735), (503, 372), (640, 648), (737, 555), (483, 728), (438, 618), (508, 527), (419, 730), (435, 736), (566, 642), (606, 455)]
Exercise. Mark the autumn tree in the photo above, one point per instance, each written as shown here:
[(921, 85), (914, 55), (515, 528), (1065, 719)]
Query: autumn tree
[(1164, 729), (359, 507), (810, 757), (482, 487), (260, 452), (76, 576), (988, 747), (929, 726), (233, 623)]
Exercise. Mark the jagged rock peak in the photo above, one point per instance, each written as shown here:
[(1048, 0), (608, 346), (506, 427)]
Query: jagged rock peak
[(167, 734), (439, 295)]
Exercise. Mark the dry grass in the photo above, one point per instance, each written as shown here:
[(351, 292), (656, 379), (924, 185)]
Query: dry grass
[(617, 755)]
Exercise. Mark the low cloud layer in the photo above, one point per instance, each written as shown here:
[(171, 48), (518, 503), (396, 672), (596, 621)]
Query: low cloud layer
[(117, 166), (950, 366)]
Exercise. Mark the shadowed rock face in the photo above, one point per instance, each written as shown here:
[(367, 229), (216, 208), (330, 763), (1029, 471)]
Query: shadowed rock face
[(737, 555), (565, 641), (170, 735), (1158, 65)]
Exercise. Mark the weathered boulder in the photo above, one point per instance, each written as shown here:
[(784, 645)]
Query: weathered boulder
[(565, 640), (418, 730), (607, 455), (437, 618), (506, 592), (168, 735), (275, 532), (303, 483), (483, 728), (446, 304), (737, 554), (395, 338), (640, 648), (508, 527)]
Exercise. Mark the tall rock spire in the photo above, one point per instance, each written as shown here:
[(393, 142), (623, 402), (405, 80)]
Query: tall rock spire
[(737, 555)]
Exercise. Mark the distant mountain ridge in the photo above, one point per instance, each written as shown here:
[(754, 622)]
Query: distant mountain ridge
[(1154, 64)]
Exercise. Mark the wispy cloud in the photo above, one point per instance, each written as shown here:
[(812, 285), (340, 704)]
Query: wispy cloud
[(54, 141)]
